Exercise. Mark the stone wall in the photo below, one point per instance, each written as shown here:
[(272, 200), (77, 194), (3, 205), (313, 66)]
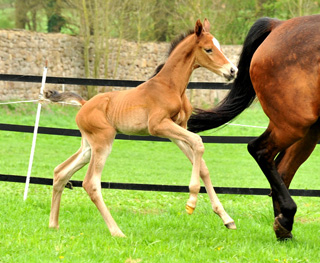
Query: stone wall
[(24, 52)]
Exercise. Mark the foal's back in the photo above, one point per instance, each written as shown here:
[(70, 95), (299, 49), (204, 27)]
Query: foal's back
[(122, 111)]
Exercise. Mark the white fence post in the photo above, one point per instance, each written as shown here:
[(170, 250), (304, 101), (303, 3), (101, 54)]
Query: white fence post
[(35, 133)]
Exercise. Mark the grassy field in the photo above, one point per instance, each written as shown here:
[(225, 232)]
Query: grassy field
[(156, 225)]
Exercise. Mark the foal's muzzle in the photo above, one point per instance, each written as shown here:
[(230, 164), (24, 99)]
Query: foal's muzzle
[(232, 73)]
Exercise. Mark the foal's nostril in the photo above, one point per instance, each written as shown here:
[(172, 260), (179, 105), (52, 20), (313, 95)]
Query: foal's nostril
[(232, 71)]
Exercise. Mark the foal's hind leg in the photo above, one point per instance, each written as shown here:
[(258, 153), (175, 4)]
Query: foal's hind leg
[(204, 174), (62, 174), (101, 144), (291, 159)]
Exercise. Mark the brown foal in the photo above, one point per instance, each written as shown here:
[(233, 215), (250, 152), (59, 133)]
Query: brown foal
[(158, 107)]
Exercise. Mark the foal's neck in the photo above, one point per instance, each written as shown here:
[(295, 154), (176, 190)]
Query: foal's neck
[(177, 70)]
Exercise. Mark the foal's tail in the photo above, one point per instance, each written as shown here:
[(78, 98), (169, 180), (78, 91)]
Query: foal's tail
[(67, 96), (242, 93)]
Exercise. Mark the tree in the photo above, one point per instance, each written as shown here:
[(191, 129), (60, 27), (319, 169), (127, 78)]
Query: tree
[(21, 18), (95, 32), (55, 20), (161, 21), (260, 10), (26, 14)]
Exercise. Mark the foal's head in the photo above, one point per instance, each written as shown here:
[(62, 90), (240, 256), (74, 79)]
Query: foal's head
[(208, 52)]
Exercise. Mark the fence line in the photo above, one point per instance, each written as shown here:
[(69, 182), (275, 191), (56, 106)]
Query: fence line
[(103, 82), (129, 186), (16, 102), (76, 133), (159, 187)]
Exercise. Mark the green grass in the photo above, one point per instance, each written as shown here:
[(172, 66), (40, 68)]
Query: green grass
[(156, 225)]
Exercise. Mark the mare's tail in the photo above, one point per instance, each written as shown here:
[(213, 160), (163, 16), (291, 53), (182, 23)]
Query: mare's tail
[(67, 96), (242, 93)]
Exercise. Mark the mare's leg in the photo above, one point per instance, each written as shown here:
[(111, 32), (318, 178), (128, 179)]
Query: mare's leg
[(101, 143), (205, 176), (264, 149), (62, 174), (291, 159)]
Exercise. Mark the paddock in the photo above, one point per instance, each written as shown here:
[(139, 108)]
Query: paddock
[(155, 215)]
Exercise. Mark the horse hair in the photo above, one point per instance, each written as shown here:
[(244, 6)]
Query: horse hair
[(173, 45)]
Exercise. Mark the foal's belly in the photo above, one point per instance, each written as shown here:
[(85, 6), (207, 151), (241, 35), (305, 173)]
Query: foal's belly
[(132, 122)]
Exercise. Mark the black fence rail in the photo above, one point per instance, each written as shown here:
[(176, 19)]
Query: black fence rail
[(76, 133), (130, 186), (103, 82), (159, 187)]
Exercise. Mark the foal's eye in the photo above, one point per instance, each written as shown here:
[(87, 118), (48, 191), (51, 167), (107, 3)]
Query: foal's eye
[(209, 50)]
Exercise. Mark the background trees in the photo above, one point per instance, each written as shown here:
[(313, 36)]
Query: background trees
[(148, 20), (98, 21)]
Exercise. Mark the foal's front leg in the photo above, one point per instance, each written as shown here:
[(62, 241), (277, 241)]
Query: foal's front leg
[(168, 129), (204, 174)]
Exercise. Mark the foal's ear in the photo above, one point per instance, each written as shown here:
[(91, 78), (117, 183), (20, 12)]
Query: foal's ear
[(198, 28), (206, 25)]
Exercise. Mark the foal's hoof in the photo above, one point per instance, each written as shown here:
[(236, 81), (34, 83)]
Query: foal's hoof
[(189, 209), (282, 234), (117, 233), (231, 225), (69, 185), (53, 226)]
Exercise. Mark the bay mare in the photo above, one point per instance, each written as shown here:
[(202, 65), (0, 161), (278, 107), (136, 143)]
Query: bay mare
[(280, 64), (157, 107)]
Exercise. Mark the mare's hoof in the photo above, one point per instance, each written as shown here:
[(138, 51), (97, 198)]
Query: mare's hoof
[(231, 225), (189, 209), (282, 234)]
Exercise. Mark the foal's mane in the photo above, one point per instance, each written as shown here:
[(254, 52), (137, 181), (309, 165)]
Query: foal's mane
[(173, 45), (178, 40)]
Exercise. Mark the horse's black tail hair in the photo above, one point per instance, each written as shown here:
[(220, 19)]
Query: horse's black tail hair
[(242, 93)]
